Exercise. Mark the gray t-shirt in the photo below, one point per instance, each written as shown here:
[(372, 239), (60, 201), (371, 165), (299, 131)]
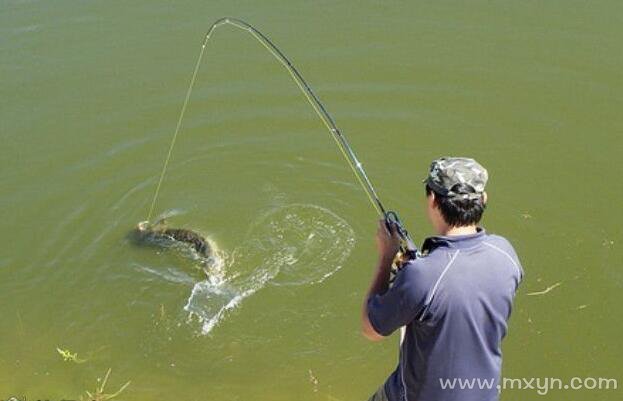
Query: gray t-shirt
[(454, 303)]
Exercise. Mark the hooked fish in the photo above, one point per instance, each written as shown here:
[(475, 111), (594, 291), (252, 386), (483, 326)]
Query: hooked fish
[(159, 232)]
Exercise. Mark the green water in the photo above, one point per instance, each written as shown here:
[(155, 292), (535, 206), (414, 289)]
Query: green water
[(89, 96)]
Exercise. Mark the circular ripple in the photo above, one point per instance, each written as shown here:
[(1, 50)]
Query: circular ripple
[(304, 243)]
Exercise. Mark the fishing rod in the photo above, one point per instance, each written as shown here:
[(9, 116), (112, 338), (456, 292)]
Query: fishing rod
[(392, 221)]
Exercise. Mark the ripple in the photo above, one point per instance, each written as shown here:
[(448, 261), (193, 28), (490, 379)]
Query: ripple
[(312, 242), (295, 244)]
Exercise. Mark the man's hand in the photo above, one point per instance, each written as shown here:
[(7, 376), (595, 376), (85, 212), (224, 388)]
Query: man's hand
[(387, 244)]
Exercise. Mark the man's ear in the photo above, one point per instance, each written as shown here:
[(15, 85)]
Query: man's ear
[(431, 200), (484, 198)]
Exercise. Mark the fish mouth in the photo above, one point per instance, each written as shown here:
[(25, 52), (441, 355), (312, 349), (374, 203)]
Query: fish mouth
[(143, 226)]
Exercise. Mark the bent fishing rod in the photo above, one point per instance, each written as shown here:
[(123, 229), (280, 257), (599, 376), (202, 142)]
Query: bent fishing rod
[(392, 221)]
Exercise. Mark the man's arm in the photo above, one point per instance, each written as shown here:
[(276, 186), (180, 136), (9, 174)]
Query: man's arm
[(388, 245), (379, 285)]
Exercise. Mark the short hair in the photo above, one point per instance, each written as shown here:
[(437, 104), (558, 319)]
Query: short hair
[(459, 212)]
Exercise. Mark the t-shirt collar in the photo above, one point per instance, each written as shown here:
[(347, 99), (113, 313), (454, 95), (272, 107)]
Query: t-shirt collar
[(455, 241)]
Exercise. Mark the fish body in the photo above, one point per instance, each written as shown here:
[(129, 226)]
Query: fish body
[(158, 232), (196, 241)]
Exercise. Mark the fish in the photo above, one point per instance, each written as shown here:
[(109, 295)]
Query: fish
[(159, 233)]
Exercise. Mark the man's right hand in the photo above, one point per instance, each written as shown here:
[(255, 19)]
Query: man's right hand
[(387, 244)]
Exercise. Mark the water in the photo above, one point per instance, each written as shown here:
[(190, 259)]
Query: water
[(90, 93)]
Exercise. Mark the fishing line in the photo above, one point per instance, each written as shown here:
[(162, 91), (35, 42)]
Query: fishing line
[(310, 96)]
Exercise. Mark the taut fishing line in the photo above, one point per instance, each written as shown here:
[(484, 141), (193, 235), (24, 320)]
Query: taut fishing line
[(392, 221)]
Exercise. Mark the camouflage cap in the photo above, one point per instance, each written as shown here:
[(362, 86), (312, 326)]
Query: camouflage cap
[(447, 172)]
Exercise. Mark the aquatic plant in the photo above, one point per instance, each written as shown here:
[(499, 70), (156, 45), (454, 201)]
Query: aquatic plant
[(70, 356), (99, 395)]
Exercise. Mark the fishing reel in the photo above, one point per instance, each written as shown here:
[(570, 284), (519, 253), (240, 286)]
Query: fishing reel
[(408, 251)]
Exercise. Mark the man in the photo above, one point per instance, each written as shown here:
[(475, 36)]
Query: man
[(453, 302)]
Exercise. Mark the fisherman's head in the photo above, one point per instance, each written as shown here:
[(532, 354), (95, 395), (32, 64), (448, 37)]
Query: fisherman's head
[(455, 191)]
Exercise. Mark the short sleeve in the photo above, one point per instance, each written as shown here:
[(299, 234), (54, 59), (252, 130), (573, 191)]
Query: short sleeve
[(508, 248), (400, 304)]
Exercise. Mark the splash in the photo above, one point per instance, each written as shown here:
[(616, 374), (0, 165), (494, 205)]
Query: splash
[(297, 244)]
